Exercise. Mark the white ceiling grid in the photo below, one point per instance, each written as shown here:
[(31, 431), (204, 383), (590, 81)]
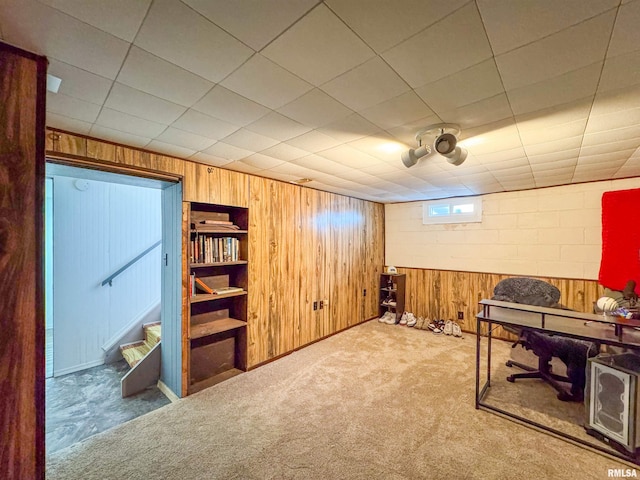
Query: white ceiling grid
[(546, 92)]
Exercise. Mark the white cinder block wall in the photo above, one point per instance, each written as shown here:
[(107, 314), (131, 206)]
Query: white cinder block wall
[(553, 232)]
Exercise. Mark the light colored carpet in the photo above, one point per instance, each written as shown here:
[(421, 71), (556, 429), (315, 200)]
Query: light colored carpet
[(375, 401)]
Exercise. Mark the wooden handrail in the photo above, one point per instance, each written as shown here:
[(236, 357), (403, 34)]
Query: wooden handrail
[(110, 278)]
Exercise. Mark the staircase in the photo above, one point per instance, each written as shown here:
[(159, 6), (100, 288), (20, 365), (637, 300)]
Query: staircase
[(144, 359)]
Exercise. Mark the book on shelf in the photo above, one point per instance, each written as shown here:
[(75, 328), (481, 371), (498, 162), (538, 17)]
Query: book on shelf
[(210, 249), (216, 222), (223, 290), (203, 286)]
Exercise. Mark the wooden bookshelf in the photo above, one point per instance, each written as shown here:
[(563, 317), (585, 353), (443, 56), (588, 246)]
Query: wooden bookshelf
[(218, 322)]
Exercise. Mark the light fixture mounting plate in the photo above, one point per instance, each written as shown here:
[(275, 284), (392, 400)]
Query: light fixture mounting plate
[(432, 131)]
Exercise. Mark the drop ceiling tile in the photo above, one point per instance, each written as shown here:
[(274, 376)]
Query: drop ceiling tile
[(555, 156), (496, 137), (350, 157), (210, 159), (283, 177), (299, 51), (628, 146), (553, 181), (118, 136), (255, 23), (184, 139), (557, 115), (488, 110), (554, 146), (140, 104), (121, 18), (349, 128), (169, 149), (462, 88), (556, 132), (366, 85), (69, 124), (321, 164), (604, 160), (47, 31), (204, 125), (315, 109), (278, 126), (153, 75), (612, 136), (552, 92), (262, 162), (178, 34), (514, 24), (227, 151), (568, 50), (262, 81), (379, 168), (79, 83), (236, 109), (249, 140), (128, 123), (625, 38), (613, 121), (620, 71), (285, 152), (72, 107), (397, 111), (385, 24), (552, 168), (381, 146), (453, 44), (313, 141), (294, 170), (506, 165), (240, 166)]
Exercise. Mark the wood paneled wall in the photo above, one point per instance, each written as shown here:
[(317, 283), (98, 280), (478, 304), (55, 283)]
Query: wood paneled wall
[(305, 245), (22, 95), (444, 293)]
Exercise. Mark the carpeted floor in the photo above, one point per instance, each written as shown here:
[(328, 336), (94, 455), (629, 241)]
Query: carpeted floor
[(375, 401)]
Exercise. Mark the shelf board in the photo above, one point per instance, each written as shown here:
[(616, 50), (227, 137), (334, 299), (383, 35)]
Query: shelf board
[(211, 381), (205, 297), (215, 326), (218, 264), (217, 230), (389, 289)]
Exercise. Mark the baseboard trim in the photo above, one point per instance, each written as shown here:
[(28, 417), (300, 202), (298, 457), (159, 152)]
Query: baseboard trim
[(77, 368), (167, 392)]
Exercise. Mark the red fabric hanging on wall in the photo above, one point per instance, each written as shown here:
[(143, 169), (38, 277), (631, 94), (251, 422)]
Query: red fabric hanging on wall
[(620, 260)]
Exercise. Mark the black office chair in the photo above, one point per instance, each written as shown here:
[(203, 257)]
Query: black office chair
[(572, 352)]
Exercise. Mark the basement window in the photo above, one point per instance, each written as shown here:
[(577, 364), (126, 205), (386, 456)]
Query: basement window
[(454, 210)]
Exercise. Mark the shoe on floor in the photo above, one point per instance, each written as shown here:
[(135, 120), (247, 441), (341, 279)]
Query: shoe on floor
[(411, 320), (457, 331), (434, 326), (403, 318), (384, 317), (392, 319), (448, 327)]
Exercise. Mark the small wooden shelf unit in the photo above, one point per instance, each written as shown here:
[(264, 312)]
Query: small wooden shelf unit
[(218, 322), (392, 286)]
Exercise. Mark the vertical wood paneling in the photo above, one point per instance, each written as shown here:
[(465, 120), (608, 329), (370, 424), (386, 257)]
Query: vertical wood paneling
[(444, 293), (233, 189), (201, 183), (284, 228), (374, 251), (22, 93), (259, 287), (132, 157)]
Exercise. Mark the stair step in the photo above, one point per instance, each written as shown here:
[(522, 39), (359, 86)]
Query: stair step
[(152, 333), (134, 352)]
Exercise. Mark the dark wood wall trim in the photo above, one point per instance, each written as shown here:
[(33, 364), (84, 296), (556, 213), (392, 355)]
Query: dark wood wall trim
[(22, 129)]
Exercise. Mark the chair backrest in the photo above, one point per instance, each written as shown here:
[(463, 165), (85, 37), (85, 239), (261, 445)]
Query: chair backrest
[(529, 291)]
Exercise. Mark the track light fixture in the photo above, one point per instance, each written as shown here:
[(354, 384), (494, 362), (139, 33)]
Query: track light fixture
[(443, 138)]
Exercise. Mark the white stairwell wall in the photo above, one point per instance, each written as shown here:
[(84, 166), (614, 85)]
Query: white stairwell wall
[(97, 230)]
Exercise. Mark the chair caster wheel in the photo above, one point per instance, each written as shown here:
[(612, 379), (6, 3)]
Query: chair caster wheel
[(511, 379)]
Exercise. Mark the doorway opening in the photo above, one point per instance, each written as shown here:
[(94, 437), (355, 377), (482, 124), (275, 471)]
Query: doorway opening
[(112, 243)]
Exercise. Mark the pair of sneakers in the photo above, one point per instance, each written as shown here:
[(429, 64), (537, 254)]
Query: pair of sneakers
[(452, 328), (408, 319), (388, 318)]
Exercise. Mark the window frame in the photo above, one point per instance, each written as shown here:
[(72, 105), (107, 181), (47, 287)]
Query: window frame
[(451, 203)]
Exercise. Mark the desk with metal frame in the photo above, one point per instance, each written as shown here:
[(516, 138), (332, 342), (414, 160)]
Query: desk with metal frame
[(583, 326)]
